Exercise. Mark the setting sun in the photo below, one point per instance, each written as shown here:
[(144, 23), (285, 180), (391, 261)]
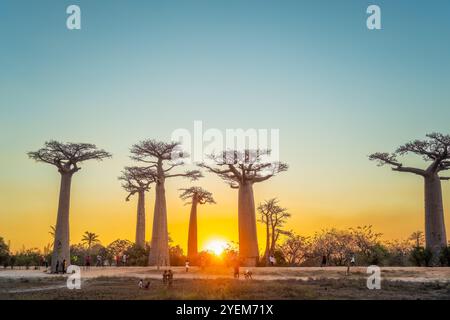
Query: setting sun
[(216, 246)]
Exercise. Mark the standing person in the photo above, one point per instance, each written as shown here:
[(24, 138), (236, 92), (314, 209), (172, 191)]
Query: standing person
[(353, 260), (63, 265), (272, 260), (87, 262), (57, 266), (324, 261), (117, 260), (170, 277), (236, 270), (99, 261), (187, 265), (141, 284), (165, 276), (124, 260)]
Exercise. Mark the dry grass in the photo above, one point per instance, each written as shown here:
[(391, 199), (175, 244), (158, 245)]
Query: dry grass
[(112, 288)]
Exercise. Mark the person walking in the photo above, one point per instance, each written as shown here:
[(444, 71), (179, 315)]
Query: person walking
[(187, 265)]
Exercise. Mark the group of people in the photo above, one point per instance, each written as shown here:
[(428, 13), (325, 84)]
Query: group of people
[(61, 266), (351, 260)]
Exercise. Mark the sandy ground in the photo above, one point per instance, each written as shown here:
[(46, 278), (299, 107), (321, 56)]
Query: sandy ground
[(409, 274)]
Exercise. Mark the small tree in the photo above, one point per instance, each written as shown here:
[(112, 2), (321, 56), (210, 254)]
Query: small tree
[(273, 217), (197, 196), (138, 180), (66, 157), (295, 249), (89, 239)]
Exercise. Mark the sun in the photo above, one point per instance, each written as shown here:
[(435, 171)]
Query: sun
[(216, 246)]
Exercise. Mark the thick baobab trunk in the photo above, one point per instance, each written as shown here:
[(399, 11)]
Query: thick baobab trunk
[(140, 222), (159, 251), (192, 236), (61, 246), (435, 235), (248, 240)]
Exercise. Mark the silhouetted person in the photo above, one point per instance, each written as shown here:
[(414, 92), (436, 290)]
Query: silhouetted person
[(170, 277), (63, 266), (57, 266), (236, 270), (165, 276), (324, 261)]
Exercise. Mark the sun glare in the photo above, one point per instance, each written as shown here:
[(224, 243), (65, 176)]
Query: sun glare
[(216, 246)]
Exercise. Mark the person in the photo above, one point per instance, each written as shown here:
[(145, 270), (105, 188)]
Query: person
[(147, 285), (170, 277), (236, 270), (63, 265), (124, 260), (353, 260), (272, 260), (141, 284), (99, 261), (46, 263), (117, 260), (248, 274), (87, 262), (165, 276), (57, 266), (324, 261), (187, 265)]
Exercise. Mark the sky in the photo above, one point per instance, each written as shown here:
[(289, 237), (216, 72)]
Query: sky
[(141, 69)]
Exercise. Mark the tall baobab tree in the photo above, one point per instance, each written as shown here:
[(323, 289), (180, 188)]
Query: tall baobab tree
[(138, 180), (90, 239), (241, 170), (159, 157), (65, 157), (273, 217), (436, 149), (197, 196)]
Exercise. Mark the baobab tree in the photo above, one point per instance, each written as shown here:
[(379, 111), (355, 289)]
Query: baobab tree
[(197, 196), (273, 217), (66, 157), (138, 180), (241, 170), (162, 158), (436, 149)]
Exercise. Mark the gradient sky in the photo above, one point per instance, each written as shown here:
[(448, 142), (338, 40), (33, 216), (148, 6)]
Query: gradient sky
[(140, 69)]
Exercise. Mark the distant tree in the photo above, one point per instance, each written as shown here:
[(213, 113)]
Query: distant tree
[(156, 154), (435, 149), (295, 249), (138, 180), (241, 170), (273, 217), (119, 247), (418, 238), (197, 196), (89, 239), (4, 252), (66, 157)]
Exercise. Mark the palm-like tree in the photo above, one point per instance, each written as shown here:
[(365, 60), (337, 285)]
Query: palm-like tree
[(89, 239)]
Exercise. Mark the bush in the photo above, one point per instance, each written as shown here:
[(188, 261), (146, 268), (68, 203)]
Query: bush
[(444, 257), (421, 256)]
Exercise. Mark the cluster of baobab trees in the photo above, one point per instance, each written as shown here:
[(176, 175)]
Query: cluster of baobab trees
[(241, 170)]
